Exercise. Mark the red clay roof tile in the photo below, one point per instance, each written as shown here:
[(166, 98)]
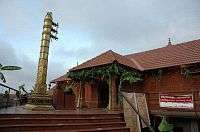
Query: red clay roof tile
[(171, 55), (61, 79), (106, 58)]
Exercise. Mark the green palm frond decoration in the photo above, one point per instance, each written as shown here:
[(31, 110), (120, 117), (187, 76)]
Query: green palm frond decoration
[(113, 69), (7, 68), (131, 77), (10, 68), (2, 77), (105, 72)]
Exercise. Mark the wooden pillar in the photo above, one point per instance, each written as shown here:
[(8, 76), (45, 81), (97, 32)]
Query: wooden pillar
[(82, 95), (112, 93)]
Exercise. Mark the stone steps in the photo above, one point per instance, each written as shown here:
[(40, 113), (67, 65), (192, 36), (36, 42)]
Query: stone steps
[(62, 115), (111, 129), (18, 121), (46, 127), (69, 122)]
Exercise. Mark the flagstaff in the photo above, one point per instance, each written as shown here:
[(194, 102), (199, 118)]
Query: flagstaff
[(39, 99)]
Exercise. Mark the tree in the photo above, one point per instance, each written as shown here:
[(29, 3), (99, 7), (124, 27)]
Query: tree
[(7, 68)]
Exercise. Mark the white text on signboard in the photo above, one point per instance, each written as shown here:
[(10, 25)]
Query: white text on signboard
[(180, 101)]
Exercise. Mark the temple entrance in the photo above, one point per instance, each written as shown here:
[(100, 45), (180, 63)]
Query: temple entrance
[(103, 94)]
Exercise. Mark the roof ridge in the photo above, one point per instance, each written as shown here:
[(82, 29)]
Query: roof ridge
[(155, 58), (112, 54), (124, 57), (102, 53), (177, 44), (178, 54)]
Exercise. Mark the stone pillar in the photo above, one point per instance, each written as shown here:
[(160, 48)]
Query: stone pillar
[(112, 93)]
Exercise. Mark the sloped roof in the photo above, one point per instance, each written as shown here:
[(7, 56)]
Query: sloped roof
[(106, 58), (61, 79), (171, 55)]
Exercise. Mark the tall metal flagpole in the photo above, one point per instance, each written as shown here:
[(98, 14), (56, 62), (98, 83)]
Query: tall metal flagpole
[(40, 100)]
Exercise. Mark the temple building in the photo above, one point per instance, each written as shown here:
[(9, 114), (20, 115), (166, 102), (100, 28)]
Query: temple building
[(169, 77)]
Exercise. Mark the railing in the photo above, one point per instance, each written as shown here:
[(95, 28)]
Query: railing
[(3, 85), (137, 112), (8, 102)]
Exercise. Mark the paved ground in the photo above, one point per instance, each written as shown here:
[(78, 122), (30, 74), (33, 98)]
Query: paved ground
[(22, 110)]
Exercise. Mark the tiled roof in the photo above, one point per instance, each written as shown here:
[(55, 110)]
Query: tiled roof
[(171, 55), (61, 79), (106, 58)]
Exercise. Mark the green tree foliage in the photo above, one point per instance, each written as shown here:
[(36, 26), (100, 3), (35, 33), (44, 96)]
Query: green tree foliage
[(7, 68)]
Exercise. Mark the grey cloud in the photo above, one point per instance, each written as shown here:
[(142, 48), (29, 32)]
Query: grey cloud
[(16, 78), (27, 75), (7, 55), (78, 54), (131, 23), (116, 24)]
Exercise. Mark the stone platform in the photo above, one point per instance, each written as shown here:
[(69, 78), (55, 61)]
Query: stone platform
[(23, 110), (85, 120)]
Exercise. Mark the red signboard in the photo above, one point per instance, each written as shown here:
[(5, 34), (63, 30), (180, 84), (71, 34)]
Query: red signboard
[(179, 101)]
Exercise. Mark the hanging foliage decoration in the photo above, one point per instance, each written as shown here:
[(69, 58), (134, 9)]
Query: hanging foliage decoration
[(104, 72), (156, 73), (186, 72)]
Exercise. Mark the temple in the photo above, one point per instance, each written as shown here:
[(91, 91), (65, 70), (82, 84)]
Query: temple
[(155, 90), (163, 82)]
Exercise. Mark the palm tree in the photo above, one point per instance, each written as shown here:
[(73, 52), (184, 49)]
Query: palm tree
[(7, 68)]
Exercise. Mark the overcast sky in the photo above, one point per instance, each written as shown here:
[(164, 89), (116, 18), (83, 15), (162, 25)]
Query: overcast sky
[(88, 28)]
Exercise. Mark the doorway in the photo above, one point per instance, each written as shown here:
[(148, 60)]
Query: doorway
[(103, 94)]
